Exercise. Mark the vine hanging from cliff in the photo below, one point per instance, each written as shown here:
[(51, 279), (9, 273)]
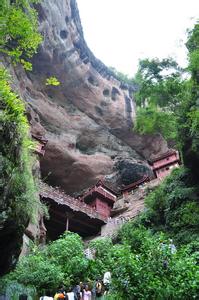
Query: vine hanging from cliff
[(17, 184), (19, 200)]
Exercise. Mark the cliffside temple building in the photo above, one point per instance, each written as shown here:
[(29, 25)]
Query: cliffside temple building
[(84, 215), (129, 188), (101, 198), (87, 213), (163, 165)]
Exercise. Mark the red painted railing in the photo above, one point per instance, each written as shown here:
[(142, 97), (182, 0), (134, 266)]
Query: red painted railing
[(60, 197)]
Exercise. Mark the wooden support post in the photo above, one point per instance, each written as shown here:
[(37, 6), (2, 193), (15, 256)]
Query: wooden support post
[(67, 223)]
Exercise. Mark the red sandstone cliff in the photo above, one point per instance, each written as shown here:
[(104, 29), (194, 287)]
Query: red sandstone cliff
[(88, 119)]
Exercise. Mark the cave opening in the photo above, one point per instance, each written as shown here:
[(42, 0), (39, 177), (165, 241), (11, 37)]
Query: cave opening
[(106, 92), (64, 34)]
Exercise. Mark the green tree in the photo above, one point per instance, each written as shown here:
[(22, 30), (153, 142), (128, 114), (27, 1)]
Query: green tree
[(159, 82), (188, 121), (19, 202), (160, 93), (123, 77), (173, 207), (34, 270), (102, 262), (71, 258), (152, 120), (19, 37), (62, 261)]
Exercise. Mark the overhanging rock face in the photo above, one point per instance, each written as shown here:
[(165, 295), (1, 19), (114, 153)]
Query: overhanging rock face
[(88, 118)]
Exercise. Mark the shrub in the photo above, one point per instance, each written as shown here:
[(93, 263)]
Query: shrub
[(103, 260), (13, 289), (174, 206)]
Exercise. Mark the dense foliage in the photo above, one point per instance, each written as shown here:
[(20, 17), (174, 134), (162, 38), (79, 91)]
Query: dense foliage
[(188, 122), (61, 261), (152, 120), (19, 37), (160, 93), (174, 208), (17, 182), (143, 270), (19, 202), (137, 264)]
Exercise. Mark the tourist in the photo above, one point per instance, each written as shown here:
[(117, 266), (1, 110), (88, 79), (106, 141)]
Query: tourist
[(70, 294), (164, 250), (61, 294), (46, 297), (77, 291), (82, 290), (172, 247), (168, 248), (107, 281), (93, 291), (98, 289), (87, 293), (167, 251)]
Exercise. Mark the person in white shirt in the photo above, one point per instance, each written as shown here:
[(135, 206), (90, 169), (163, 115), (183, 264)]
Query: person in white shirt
[(107, 278), (71, 294), (107, 281), (172, 247)]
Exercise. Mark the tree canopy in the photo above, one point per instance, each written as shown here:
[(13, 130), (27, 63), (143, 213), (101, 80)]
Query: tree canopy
[(19, 37)]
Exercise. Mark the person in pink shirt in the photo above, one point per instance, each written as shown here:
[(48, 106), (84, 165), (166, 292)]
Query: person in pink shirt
[(87, 293)]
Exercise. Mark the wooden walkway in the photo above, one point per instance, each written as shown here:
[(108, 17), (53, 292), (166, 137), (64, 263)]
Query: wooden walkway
[(49, 192)]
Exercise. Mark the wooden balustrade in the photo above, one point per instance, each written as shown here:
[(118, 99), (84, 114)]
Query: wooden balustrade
[(60, 197)]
